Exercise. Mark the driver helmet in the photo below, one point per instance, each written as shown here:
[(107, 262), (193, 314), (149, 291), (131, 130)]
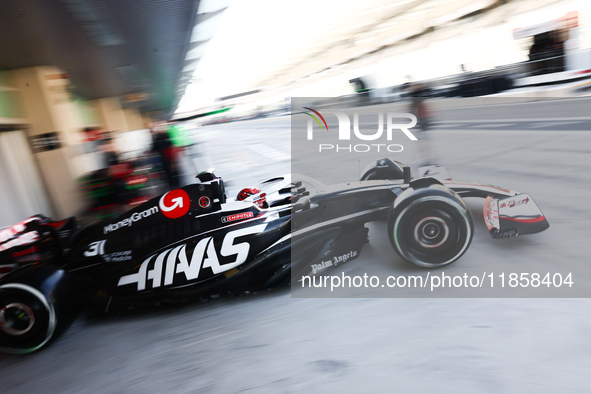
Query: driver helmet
[(259, 198)]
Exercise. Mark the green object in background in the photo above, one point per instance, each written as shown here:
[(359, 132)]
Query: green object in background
[(179, 136), (10, 104), (88, 115), (10, 98)]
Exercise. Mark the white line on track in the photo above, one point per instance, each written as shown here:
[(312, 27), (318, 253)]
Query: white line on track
[(580, 118), (268, 152), (213, 337), (512, 131), (491, 125), (548, 124)]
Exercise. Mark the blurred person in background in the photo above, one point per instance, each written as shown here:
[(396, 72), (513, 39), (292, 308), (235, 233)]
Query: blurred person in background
[(109, 151), (113, 169), (418, 107), (104, 187), (93, 134), (162, 145)]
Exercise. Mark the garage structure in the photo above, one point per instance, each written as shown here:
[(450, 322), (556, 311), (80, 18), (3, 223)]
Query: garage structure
[(71, 65)]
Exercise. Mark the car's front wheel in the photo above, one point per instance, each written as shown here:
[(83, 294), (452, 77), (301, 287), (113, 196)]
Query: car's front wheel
[(432, 230)]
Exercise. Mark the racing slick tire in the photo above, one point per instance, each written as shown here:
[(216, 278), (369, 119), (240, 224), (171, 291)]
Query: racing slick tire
[(430, 227), (36, 305)]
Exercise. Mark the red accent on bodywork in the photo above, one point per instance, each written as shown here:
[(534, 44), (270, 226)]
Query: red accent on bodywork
[(491, 212), (57, 225), (26, 251), (534, 220)]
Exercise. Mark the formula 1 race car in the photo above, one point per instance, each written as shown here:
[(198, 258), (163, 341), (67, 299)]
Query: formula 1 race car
[(194, 242)]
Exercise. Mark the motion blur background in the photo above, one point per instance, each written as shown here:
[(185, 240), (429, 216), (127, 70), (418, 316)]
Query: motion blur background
[(87, 84), (105, 103)]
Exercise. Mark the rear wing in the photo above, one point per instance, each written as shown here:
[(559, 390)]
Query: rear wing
[(35, 239)]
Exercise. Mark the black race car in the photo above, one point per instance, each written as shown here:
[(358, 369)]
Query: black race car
[(194, 242)]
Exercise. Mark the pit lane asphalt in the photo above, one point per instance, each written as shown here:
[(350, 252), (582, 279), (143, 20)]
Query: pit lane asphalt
[(271, 342)]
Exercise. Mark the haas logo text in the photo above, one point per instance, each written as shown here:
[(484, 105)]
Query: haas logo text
[(175, 260)]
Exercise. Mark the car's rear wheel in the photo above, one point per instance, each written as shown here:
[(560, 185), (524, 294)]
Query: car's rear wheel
[(37, 304), (27, 319)]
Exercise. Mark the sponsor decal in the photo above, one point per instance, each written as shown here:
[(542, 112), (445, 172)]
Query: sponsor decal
[(127, 222), (175, 203), (321, 266), (336, 260), (161, 269), (117, 257), (95, 249), (98, 249), (344, 258), (514, 203), (382, 164), (238, 216), (491, 213), (204, 202)]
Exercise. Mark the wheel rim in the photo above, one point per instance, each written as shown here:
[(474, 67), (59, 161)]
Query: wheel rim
[(431, 232), (16, 318), (432, 235)]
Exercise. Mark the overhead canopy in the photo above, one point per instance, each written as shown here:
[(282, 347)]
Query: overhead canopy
[(568, 21), (109, 47)]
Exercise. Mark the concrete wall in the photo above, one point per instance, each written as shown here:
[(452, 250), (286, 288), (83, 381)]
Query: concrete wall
[(42, 102), (111, 116), (134, 119), (47, 108)]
